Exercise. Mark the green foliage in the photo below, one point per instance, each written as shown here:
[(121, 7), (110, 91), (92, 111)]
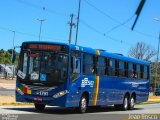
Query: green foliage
[(153, 71), (5, 57)]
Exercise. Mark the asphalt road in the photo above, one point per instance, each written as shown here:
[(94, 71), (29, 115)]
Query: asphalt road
[(98, 113), (7, 92)]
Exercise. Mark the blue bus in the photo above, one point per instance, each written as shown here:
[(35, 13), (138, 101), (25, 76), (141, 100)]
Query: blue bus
[(58, 74)]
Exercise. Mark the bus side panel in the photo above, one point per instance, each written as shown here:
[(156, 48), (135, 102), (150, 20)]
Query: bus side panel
[(83, 84), (113, 90), (142, 90), (102, 96)]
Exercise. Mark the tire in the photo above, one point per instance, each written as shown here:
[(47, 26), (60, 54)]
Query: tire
[(123, 106), (131, 103), (83, 105), (39, 106), (125, 103)]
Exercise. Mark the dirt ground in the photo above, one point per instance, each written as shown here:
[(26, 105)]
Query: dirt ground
[(154, 98), (9, 81), (7, 100), (7, 84)]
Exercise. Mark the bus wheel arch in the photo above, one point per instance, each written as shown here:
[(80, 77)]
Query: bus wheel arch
[(86, 94), (39, 106)]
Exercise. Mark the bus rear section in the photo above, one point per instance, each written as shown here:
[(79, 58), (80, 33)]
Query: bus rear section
[(42, 74)]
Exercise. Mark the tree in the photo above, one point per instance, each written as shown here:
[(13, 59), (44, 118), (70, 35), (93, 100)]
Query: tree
[(142, 51), (5, 57)]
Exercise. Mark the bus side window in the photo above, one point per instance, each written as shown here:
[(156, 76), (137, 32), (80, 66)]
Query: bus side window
[(142, 70), (88, 64), (130, 70), (107, 60), (145, 72), (117, 68), (101, 66), (134, 71), (112, 67), (121, 69), (138, 71), (126, 69)]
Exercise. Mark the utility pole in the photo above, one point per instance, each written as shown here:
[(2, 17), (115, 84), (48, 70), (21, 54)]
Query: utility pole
[(13, 52), (157, 64), (71, 25), (13, 41), (79, 8), (41, 20)]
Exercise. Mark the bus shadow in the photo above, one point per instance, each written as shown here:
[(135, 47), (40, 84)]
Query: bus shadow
[(64, 111)]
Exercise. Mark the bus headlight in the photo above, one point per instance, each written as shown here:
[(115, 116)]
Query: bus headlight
[(60, 94)]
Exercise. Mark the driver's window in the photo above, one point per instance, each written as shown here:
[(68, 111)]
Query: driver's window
[(75, 65)]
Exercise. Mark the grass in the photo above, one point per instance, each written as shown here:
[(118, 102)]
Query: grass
[(9, 100), (148, 102), (151, 100), (16, 104)]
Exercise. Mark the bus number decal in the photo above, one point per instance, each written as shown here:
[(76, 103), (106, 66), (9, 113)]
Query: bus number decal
[(42, 93), (86, 82)]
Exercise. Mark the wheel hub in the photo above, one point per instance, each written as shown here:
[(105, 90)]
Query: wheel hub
[(125, 103), (83, 104)]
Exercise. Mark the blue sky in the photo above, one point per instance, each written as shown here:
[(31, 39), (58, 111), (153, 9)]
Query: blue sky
[(22, 15)]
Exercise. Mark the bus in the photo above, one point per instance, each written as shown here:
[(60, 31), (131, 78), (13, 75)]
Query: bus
[(67, 75)]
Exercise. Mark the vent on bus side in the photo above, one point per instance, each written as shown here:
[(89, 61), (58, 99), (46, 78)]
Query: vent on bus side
[(101, 50), (119, 54)]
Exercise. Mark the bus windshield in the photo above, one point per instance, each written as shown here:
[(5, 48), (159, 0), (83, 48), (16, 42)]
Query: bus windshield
[(43, 67)]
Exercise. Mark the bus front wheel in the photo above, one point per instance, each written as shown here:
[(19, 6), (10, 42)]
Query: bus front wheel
[(39, 106), (83, 104)]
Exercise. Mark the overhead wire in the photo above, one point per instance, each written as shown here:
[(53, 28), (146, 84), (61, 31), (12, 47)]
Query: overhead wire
[(118, 22), (30, 35), (86, 24), (119, 25), (55, 12), (42, 8), (101, 33)]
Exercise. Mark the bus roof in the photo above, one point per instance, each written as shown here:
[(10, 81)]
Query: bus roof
[(93, 51)]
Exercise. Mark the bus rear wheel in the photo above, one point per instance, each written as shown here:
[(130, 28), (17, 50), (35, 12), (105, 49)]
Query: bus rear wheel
[(125, 104), (39, 106), (83, 104), (131, 103)]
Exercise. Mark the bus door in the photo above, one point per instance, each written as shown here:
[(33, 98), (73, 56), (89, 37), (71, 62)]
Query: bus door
[(75, 79)]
